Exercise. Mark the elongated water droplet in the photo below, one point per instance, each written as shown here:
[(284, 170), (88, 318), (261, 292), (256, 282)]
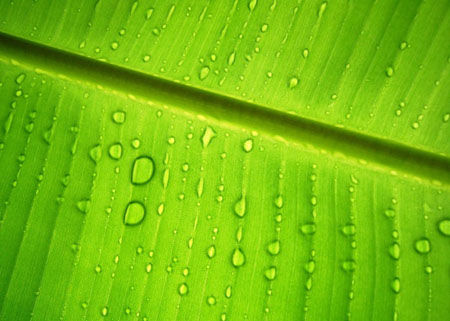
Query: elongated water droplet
[(293, 82), (211, 251), (104, 311), (96, 153), (143, 168), (204, 72), (240, 206), (444, 227), (252, 4), (228, 292), (322, 9), (274, 247), (238, 258), (200, 184), (183, 289), (239, 234), (115, 151), (394, 251), (395, 285), (248, 145), (20, 78), (119, 117), (423, 246), (279, 201), (207, 136), (270, 273), (134, 213), (231, 58)]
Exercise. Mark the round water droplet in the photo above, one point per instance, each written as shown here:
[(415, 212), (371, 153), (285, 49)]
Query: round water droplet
[(119, 117), (248, 145), (423, 246), (308, 229), (293, 82), (395, 285), (204, 72), (238, 258), (211, 252), (240, 207), (231, 58), (270, 273), (183, 289), (143, 169), (444, 227), (115, 151), (274, 247), (211, 300), (84, 205), (264, 27), (134, 213), (394, 251)]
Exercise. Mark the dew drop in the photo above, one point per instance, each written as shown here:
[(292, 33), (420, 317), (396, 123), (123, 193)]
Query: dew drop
[(211, 300), (389, 71), (264, 27), (232, 58), (239, 234), (211, 252), (240, 206), (119, 117), (423, 246), (305, 53), (322, 9), (136, 143), (207, 136), (115, 151), (270, 273), (279, 201), (143, 169), (444, 227), (390, 213), (293, 82), (308, 229), (84, 205), (348, 266), (104, 311), (204, 72), (349, 230), (183, 289), (248, 145), (394, 251), (238, 258), (252, 5), (134, 213), (20, 78), (228, 292), (310, 266), (395, 285), (274, 247)]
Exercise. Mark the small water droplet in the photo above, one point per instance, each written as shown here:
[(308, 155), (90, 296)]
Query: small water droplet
[(279, 201), (322, 9), (115, 151), (143, 169), (96, 153), (444, 227), (308, 229), (148, 268), (390, 213), (390, 71), (84, 205), (114, 45), (231, 58), (264, 27), (211, 252), (423, 246), (20, 78), (211, 300), (238, 258), (119, 117), (395, 285), (252, 5), (104, 311), (136, 143), (204, 72), (228, 292), (248, 145), (240, 206), (403, 45), (274, 247), (394, 251), (270, 273), (305, 53), (348, 266), (134, 213), (183, 289), (293, 82), (239, 234), (310, 266), (349, 230)]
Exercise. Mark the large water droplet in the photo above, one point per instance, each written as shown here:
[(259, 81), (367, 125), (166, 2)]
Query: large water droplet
[(348, 266), (423, 246), (252, 5), (444, 227), (207, 136), (84, 205), (238, 258), (119, 117), (134, 213), (183, 289), (115, 151), (204, 72), (274, 247), (143, 168), (394, 251), (270, 273), (240, 206), (211, 252), (308, 229)]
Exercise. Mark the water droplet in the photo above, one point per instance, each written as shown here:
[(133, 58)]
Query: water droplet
[(279, 201), (84, 205), (264, 27), (248, 145), (98, 269), (143, 169), (149, 13), (305, 53), (211, 300), (228, 292), (444, 227), (395, 285), (349, 230), (20, 78), (348, 266), (322, 9), (232, 58), (136, 143), (96, 153), (403, 45), (207, 136), (240, 206), (423, 246), (119, 117), (238, 258), (239, 234), (134, 213), (104, 311), (293, 82), (204, 72), (211, 252), (200, 184), (390, 213), (148, 268), (115, 151), (270, 273), (308, 229), (274, 247), (389, 71), (394, 251), (252, 4), (183, 289), (310, 266)]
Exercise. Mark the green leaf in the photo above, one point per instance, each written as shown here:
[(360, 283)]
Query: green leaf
[(224, 160)]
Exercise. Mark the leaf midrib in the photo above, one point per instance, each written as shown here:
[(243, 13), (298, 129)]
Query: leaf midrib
[(352, 146)]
